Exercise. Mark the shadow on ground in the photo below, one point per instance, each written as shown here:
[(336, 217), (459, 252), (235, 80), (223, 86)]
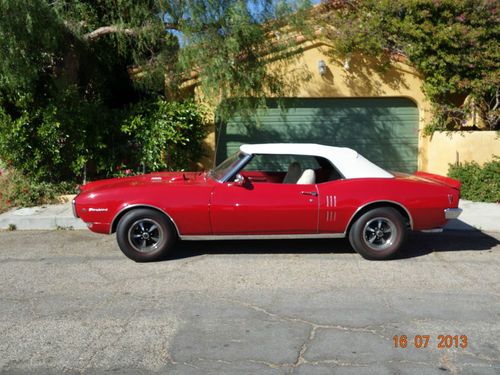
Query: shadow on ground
[(418, 244)]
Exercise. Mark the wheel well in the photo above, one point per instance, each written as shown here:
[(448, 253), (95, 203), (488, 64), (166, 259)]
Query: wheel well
[(118, 217), (404, 213)]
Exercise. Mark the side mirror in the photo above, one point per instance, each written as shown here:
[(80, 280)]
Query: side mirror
[(239, 180)]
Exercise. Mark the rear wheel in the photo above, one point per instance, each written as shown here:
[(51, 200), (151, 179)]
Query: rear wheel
[(378, 234), (145, 235)]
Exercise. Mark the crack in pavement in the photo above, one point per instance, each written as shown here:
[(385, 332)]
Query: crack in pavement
[(371, 329), (275, 366), (312, 334), (300, 359), (298, 320)]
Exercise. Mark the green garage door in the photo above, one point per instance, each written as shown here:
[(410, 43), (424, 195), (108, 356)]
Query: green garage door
[(384, 130)]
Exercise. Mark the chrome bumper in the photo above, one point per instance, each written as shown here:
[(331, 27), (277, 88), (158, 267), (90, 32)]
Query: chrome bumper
[(452, 213), (73, 207)]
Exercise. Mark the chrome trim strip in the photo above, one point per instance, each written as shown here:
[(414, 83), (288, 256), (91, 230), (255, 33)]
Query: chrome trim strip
[(261, 236), (331, 203), (141, 205), (73, 208), (435, 230), (452, 213), (381, 201)]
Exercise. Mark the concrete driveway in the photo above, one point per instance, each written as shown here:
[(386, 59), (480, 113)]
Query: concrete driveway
[(70, 301)]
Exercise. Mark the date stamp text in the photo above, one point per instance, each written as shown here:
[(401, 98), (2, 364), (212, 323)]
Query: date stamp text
[(423, 341)]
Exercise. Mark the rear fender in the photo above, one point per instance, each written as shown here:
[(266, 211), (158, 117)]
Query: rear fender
[(447, 181)]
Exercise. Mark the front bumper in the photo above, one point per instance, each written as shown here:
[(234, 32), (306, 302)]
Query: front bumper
[(73, 207), (452, 213)]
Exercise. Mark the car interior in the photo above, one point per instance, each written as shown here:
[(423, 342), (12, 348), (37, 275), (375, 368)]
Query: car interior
[(290, 169)]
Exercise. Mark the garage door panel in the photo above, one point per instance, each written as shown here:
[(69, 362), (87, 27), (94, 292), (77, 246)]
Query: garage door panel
[(385, 130)]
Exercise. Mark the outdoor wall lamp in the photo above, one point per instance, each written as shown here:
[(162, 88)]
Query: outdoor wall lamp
[(322, 67), (347, 63)]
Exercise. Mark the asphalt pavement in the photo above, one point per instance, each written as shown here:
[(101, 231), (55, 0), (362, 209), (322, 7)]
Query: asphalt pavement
[(70, 302)]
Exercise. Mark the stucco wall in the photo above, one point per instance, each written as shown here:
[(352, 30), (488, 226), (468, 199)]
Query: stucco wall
[(361, 79), (449, 147)]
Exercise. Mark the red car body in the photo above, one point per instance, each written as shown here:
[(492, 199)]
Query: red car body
[(201, 207)]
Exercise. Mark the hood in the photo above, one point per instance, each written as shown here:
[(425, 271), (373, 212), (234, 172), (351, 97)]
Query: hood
[(147, 179)]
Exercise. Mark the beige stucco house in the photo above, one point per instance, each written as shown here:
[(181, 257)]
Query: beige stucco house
[(381, 113)]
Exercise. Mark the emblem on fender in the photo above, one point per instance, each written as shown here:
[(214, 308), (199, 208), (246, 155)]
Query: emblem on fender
[(91, 209)]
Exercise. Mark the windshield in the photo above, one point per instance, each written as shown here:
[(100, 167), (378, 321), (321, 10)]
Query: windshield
[(226, 166)]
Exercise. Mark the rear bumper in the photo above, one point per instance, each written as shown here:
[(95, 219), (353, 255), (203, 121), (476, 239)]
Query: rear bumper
[(452, 213), (73, 206)]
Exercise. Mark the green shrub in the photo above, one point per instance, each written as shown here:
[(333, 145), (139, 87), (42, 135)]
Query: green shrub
[(478, 183), (164, 136), (56, 142), (53, 142), (16, 190)]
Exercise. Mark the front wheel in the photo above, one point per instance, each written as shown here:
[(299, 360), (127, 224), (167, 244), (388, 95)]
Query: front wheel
[(145, 235), (378, 234)]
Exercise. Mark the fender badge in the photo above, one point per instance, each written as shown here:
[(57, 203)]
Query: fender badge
[(91, 209)]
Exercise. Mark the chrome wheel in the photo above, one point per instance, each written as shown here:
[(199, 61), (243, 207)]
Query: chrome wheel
[(379, 233), (145, 235)]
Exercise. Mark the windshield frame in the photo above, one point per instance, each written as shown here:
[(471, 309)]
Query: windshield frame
[(237, 161)]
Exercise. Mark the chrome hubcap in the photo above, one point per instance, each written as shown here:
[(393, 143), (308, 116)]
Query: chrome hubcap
[(145, 235), (379, 233)]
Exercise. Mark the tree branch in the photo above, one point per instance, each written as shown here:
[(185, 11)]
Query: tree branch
[(104, 30)]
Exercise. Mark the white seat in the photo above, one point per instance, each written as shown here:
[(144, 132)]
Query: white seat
[(293, 174), (308, 177)]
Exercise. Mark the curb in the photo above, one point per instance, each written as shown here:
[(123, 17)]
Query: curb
[(48, 217)]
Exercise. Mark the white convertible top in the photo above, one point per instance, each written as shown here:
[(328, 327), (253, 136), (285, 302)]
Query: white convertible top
[(347, 161)]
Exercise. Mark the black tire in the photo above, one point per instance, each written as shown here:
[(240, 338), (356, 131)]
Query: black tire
[(145, 235), (378, 234)]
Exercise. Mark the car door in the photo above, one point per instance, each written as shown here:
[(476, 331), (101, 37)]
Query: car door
[(264, 208)]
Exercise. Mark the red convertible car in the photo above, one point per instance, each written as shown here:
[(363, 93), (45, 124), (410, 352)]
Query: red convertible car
[(269, 191)]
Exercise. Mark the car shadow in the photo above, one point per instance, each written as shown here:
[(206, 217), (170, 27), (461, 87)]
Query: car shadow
[(418, 244)]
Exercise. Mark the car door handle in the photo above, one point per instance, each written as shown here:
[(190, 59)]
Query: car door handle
[(313, 193)]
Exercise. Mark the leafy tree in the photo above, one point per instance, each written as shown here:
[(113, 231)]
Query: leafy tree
[(72, 73), (454, 44)]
